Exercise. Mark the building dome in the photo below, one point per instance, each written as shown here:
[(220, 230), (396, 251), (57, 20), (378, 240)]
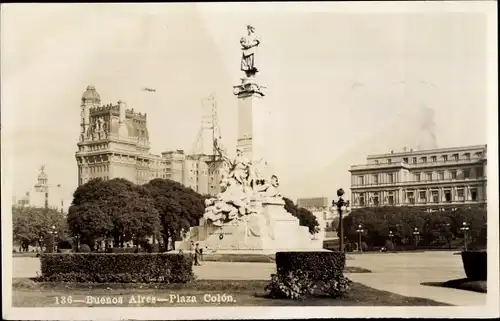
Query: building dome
[(42, 176), (91, 95)]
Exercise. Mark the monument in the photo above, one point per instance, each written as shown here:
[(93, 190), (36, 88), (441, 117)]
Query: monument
[(249, 213)]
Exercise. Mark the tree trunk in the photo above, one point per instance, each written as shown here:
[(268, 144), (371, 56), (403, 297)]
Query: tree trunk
[(116, 239), (172, 235), (165, 237)]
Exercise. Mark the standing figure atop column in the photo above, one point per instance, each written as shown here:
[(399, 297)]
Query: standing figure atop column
[(249, 44)]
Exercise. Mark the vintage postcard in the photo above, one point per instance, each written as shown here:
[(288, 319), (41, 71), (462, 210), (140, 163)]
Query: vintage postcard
[(249, 160)]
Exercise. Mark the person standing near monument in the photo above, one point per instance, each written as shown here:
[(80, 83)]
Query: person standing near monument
[(197, 255)]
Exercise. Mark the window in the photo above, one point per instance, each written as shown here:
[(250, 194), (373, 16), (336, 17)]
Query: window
[(479, 154), (405, 160), (434, 159), (375, 179), (455, 157), (424, 159), (479, 172), (361, 180), (445, 158), (389, 161), (414, 160), (473, 194), (441, 176), (376, 161), (361, 200), (453, 174), (467, 156), (429, 176), (447, 195), (460, 194), (422, 197), (410, 197), (435, 196), (375, 199), (390, 198), (466, 173), (417, 177), (390, 177)]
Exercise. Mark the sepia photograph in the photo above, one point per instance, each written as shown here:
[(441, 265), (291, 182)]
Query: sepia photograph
[(249, 160)]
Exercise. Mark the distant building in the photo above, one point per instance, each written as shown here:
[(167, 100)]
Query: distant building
[(429, 178), (44, 195), (320, 207), (114, 143)]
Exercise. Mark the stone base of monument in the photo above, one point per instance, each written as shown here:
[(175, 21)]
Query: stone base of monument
[(270, 230)]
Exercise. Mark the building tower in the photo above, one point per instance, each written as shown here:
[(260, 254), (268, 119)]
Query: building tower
[(42, 186), (90, 99)]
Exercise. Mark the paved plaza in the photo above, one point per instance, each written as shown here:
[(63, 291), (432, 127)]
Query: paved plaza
[(400, 273)]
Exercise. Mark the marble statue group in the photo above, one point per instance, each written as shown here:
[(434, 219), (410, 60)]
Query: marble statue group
[(240, 186)]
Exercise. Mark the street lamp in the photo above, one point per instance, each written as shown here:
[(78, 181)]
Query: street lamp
[(54, 233), (465, 229), (391, 236), (416, 233), (360, 232), (341, 207)]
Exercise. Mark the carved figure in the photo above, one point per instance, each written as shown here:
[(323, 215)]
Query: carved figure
[(241, 168), (272, 190), (249, 44)]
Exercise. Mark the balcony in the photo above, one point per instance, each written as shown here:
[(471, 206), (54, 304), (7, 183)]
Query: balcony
[(427, 164), (420, 182), (425, 204)]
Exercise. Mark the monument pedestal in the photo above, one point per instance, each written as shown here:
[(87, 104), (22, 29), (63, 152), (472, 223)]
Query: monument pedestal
[(270, 230)]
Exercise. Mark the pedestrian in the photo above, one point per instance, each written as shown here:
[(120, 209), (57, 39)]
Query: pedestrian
[(197, 255), (201, 254)]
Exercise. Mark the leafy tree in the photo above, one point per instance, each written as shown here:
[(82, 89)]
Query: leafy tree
[(32, 225), (306, 218), (115, 209), (179, 208), (435, 228)]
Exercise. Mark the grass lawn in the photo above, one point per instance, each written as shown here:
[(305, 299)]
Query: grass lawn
[(28, 293)]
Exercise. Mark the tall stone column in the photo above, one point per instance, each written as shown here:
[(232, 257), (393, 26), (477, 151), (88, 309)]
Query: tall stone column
[(252, 119)]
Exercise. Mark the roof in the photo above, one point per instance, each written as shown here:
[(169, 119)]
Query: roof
[(91, 95)]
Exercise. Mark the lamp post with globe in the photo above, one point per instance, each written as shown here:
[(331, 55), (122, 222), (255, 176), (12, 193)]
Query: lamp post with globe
[(416, 234), (465, 229), (53, 233), (342, 206), (360, 232)]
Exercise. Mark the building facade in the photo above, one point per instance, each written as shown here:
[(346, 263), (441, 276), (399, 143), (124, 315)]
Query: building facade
[(430, 178), (114, 143), (43, 195)]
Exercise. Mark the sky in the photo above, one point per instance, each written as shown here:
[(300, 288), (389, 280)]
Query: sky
[(341, 84)]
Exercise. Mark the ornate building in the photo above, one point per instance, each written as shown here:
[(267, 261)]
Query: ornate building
[(114, 142), (42, 194), (429, 178)]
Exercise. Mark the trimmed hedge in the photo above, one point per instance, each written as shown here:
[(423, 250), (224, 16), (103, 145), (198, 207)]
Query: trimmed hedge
[(300, 274), (117, 267), (475, 265), (321, 265)]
